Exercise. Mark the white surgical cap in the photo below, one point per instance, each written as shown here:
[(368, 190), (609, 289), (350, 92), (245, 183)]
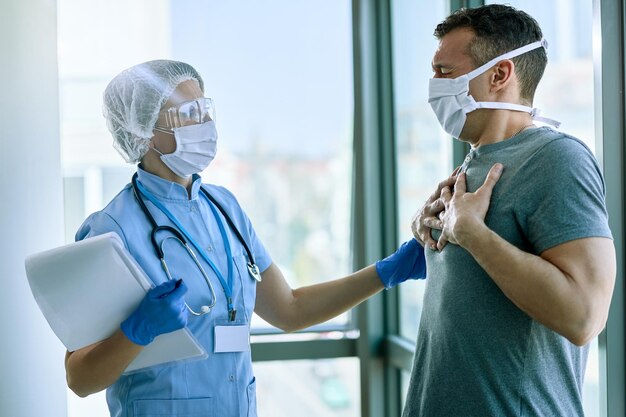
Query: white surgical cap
[(133, 99)]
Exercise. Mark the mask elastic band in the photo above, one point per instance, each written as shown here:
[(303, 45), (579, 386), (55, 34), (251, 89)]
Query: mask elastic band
[(156, 150), (512, 54), (535, 115), (534, 112)]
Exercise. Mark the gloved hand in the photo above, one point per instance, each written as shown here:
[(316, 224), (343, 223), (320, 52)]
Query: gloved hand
[(161, 311), (408, 262)]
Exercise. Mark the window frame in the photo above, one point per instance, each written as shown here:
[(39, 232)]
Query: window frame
[(382, 352)]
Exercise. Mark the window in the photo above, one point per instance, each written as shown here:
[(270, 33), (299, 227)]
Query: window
[(323, 387), (423, 150), (282, 86), (566, 94)]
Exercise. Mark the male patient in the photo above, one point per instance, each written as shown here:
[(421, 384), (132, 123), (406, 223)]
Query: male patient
[(526, 282)]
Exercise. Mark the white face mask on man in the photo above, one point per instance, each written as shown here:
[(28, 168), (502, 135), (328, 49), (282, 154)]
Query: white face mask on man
[(196, 146), (451, 101)]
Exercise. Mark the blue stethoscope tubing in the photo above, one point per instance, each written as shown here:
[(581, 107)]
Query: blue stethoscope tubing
[(184, 237)]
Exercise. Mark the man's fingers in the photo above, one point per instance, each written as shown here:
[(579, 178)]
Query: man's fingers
[(441, 243), (431, 210), (446, 195), (459, 186), (433, 223), (414, 229), (448, 182), (429, 242), (492, 178)]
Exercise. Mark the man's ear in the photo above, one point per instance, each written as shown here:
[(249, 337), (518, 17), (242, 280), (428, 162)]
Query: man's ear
[(503, 74)]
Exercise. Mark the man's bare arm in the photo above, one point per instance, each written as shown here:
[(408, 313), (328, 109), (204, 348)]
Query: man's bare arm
[(567, 288)]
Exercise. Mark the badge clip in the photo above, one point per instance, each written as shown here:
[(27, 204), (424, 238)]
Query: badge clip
[(254, 272)]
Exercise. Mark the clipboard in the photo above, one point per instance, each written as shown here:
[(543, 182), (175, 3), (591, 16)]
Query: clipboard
[(87, 288)]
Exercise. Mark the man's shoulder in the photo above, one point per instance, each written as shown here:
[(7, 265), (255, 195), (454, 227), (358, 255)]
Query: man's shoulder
[(546, 139), (550, 150)]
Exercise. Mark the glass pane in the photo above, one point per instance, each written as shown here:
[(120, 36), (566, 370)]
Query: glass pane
[(284, 115), (424, 152), (286, 119), (325, 387), (565, 93), (282, 87), (405, 381)]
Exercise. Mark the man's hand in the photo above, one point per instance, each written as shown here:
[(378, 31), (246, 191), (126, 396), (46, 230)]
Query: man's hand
[(428, 217), (465, 211)]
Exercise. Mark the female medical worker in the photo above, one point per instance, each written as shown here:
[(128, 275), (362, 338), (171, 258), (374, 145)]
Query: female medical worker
[(159, 117)]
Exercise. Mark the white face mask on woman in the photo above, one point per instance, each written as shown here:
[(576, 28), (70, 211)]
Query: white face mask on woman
[(451, 101), (196, 146)]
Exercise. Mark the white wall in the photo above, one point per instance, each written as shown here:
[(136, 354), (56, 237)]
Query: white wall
[(32, 378)]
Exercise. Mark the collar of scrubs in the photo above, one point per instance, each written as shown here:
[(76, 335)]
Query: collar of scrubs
[(162, 188)]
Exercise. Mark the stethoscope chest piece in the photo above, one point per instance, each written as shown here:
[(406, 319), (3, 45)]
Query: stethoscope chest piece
[(254, 272)]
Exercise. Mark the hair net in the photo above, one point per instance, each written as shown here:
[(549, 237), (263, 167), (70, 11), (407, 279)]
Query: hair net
[(133, 99)]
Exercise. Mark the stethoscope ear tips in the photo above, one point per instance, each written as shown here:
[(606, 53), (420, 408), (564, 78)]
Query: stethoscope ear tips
[(205, 309)]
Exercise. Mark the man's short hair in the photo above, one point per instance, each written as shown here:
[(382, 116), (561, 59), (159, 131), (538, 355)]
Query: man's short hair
[(500, 29)]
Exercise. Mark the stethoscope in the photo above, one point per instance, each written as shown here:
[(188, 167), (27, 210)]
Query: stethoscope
[(183, 238)]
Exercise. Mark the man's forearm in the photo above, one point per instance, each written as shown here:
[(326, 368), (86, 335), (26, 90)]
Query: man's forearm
[(536, 286)]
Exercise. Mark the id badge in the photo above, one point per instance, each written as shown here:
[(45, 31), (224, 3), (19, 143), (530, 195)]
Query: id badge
[(232, 338)]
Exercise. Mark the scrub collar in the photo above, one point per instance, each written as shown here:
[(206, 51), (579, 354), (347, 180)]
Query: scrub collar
[(165, 189)]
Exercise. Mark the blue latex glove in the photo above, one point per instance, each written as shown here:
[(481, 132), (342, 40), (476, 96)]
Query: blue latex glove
[(408, 262), (161, 311)]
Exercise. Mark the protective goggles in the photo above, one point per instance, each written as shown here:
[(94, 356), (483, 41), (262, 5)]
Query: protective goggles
[(188, 113)]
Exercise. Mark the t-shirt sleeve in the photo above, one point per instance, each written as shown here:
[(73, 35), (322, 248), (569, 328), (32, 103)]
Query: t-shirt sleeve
[(262, 257), (564, 196)]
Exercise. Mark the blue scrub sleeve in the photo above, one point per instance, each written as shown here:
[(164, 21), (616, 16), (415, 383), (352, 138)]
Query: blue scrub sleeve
[(97, 224)]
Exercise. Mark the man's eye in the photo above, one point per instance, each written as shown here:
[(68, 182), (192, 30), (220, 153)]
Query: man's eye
[(445, 71)]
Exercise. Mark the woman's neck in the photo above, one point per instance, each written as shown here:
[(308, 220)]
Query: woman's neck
[(152, 163)]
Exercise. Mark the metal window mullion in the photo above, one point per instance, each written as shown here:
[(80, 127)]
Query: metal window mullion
[(610, 104), (374, 212), (461, 149), (303, 350), (459, 4), (400, 352)]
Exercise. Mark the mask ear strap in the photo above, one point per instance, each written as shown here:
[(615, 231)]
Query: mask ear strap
[(534, 112), (512, 54), (155, 149), (535, 115)]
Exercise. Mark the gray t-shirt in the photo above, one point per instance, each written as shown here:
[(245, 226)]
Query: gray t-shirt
[(477, 353)]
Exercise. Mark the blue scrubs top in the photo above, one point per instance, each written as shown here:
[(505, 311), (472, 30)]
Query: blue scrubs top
[(222, 384)]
